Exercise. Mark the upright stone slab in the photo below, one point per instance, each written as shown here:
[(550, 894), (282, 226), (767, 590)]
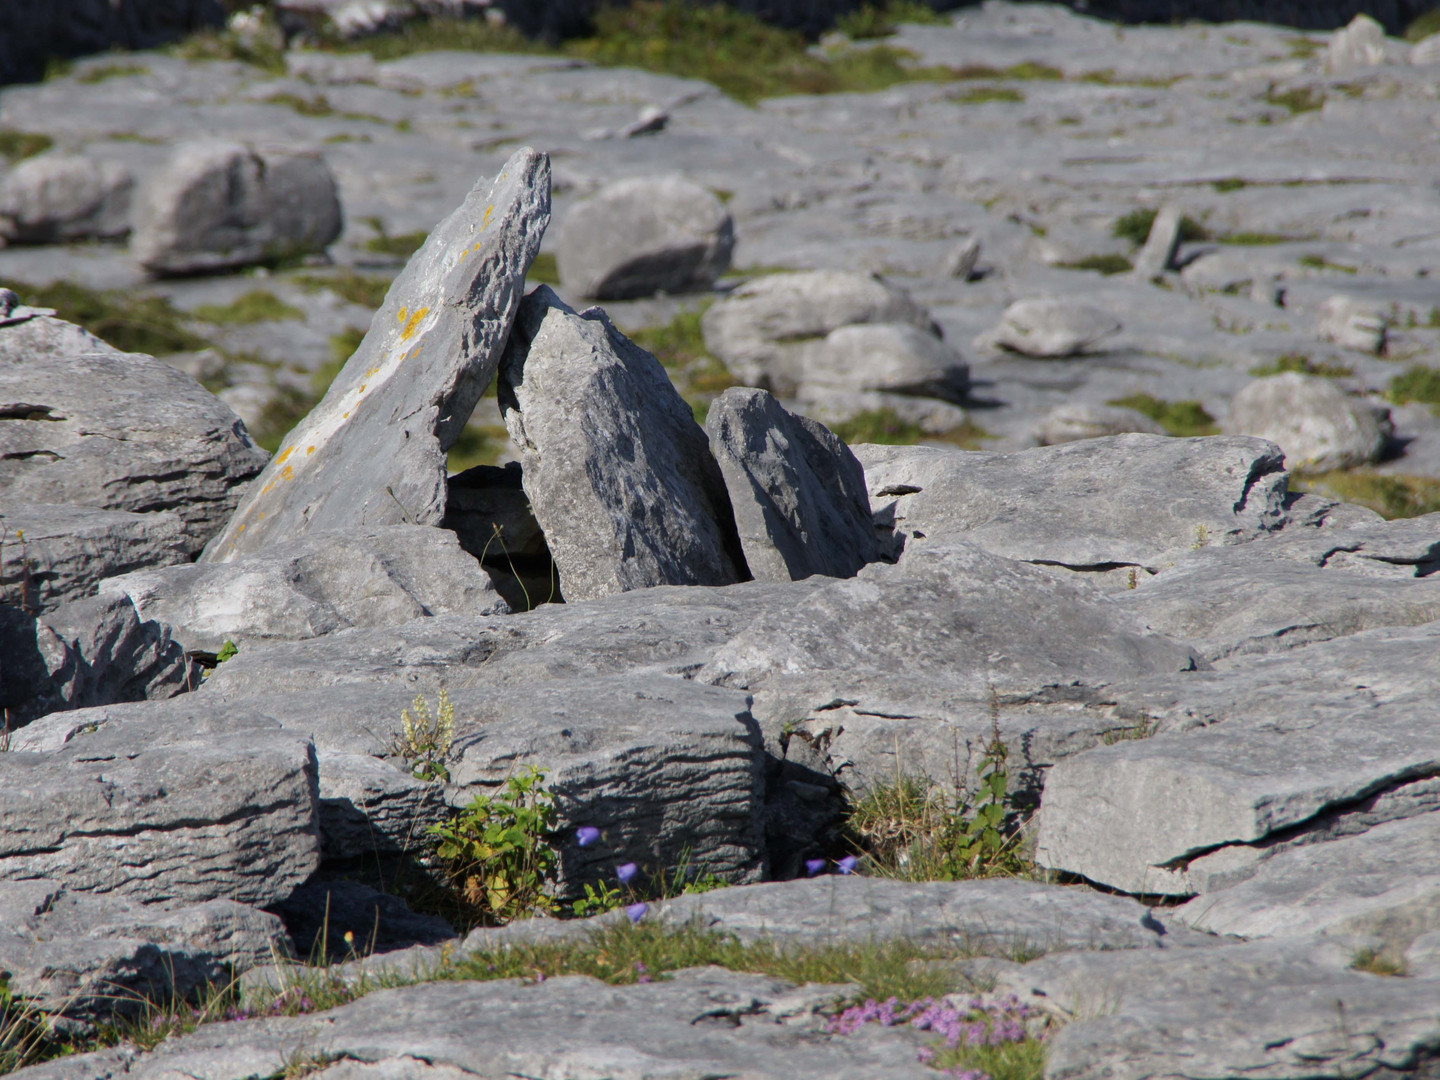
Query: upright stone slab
[(618, 472), (373, 451), (797, 490)]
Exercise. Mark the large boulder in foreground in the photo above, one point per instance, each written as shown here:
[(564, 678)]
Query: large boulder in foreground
[(797, 490), (645, 235), (164, 817), (83, 423), (325, 581), (373, 451), (619, 474), (220, 205)]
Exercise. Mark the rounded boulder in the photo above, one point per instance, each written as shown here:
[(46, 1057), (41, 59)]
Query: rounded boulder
[(1319, 427)]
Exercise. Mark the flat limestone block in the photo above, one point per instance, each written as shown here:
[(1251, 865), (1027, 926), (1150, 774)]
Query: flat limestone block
[(618, 473), (1380, 886), (324, 581), (373, 451), (161, 816), (1132, 815), (797, 490), (89, 425), (995, 917), (92, 957), (1128, 499), (1264, 1009), (700, 1022), (59, 552)]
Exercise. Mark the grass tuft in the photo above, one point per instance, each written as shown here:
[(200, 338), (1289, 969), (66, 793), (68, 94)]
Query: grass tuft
[(1183, 419), (367, 292), (1233, 183), (1248, 238), (1319, 262), (104, 72), (1380, 962), (1105, 264), (402, 246), (1423, 26), (18, 145), (883, 19), (1416, 383), (127, 320), (1390, 495), (679, 345), (1301, 99), (983, 95), (255, 306), (544, 270), (1135, 227), (1302, 364)]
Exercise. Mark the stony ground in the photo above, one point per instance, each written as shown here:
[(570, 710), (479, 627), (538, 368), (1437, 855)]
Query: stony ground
[(1199, 704)]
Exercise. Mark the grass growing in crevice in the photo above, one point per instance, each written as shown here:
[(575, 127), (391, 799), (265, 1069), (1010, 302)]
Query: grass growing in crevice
[(127, 320), (1390, 495), (255, 306), (1104, 264), (18, 145), (367, 292), (983, 95), (103, 72), (1319, 262), (545, 270), (1135, 227), (1229, 184), (1252, 238), (1416, 383), (1182, 419), (679, 345), (1303, 365), (888, 427), (1380, 962), (883, 19), (1300, 99)]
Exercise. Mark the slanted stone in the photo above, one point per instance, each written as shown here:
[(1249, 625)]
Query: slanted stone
[(1268, 1008), (373, 451), (327, 580), (52, 553), (57, 197), (163, 816), (1319, 427), (798, 492), (83, 423), (95, 958), (1158, 254), (644, 235), (1378, 890), (1130, 499), (218, 204), (618, 473)]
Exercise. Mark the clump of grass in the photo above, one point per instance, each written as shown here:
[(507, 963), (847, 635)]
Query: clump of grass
[(1416, 383), (878, 426), (1105, 264), (1380, 962), (367, 292), (1304, 48), (264, 51), (18, 145), (679, 345), (1319, 262), (1182, 419), (544, 270), (434, 35), (982, 95), (255, 306), (883, 19), (1135, 227), (1423, 26), (1303, 365), (1390, 495), (319, 105), (127, 320), (1250, 238), (1300, 99), (401, 246), (103, 72), (1229, 184)]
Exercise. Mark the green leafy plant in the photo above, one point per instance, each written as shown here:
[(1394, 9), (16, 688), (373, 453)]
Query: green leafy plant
[(228, 651), (425, 741), (500, 850), (599, 899)]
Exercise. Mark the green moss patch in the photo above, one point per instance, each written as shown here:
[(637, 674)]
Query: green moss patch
[(127, 320), (1416, 383), (1135, 227), (368, 292), (104, 72), (255, 306), (983, 95), (1389, 494), (1303, 365), (18, 145), (1182, 419)]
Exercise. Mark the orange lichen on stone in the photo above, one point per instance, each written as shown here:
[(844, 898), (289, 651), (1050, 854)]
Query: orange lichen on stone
[(414, 324), (284, 454), (288, 472)]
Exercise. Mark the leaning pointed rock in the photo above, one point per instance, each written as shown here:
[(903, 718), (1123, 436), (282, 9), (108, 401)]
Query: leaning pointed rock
[(373, 451), (618, 472)]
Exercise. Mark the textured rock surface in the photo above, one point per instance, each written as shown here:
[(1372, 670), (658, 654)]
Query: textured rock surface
[(642, 236), (1144, 498), (52, 553), (1353, 323), (325, 581), (894, 358), (88, 652), (1378, 889), (1263, 1008), (765, 330), (797, 490), (91, 958), (219, 205), (1317, 426), (166, 816), (1052, 328), (1358, 749), (83, 423), (58, 197), (373, 451), (618, 473)]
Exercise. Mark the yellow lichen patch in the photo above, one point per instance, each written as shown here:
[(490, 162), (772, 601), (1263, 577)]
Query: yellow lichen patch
[(241, 529), (402, 314), (486, 223), (310, 451), (414, 324), (373, 372), (288, 472), (345, 416), (415, 352), (281, 459), (266, 489), (362, 388)]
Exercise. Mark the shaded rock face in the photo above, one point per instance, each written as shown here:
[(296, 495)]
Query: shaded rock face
[(619, 475), (85, 424), (221, 205), (373, 451), (643, 236), (324, 582), (797, 491)]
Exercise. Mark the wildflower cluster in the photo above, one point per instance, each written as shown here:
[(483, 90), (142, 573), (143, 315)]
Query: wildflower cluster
[(846, 865), (293, 1002), (970, 1026)]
